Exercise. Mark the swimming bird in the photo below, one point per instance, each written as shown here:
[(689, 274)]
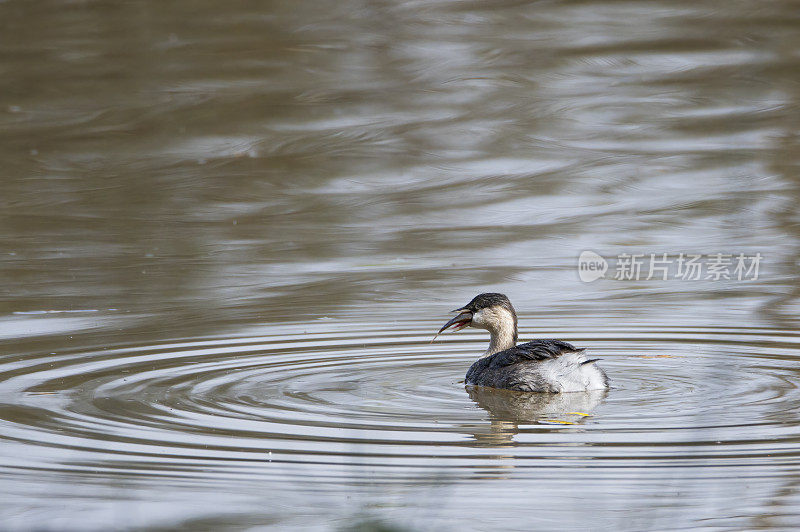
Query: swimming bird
[(538, 366)]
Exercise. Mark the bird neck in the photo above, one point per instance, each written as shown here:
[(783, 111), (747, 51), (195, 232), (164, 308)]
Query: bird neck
[(503, 337)]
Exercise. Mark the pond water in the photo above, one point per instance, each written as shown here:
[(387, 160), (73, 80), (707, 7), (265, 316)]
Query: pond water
[(229, 233)]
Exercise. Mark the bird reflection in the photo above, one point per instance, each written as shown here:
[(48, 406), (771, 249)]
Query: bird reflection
[(509, 409)]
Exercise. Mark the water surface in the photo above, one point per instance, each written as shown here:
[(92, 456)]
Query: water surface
[(229, 233)]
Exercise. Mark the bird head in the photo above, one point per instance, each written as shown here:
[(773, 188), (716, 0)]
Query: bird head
[(490, 311)]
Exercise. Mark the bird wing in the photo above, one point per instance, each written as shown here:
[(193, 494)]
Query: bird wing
[(514, 368), (537, 350)]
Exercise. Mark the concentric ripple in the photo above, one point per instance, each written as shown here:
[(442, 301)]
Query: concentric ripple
[(364, 405)]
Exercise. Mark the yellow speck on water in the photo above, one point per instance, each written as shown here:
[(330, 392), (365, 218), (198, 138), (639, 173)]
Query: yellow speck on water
[(654, 356), (555, 422), (584, 414)]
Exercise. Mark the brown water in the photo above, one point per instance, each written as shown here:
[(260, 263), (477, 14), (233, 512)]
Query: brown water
[(229, 231)]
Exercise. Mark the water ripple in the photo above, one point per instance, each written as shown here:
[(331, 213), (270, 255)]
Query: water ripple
[(685, 394)]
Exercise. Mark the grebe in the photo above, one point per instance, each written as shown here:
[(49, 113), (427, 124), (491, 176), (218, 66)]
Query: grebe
[(539, 366)]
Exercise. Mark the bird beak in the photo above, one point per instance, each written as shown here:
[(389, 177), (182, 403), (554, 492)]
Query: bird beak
[(463, 319)]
